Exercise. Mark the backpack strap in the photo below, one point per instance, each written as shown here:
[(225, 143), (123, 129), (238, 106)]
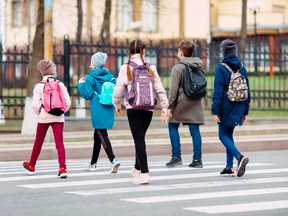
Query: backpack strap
[(229, 69)]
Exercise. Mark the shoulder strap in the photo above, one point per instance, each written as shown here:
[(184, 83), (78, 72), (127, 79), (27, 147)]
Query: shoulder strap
[(229, 69), (133, 64)]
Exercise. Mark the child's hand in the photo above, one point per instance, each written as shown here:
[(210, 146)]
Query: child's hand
[(81, 80), (164, 115), (118, 112), (217, 118)]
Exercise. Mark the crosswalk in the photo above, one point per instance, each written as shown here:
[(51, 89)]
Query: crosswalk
[(264, 187)]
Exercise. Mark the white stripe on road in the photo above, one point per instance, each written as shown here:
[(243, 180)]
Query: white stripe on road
[(178, 186), (153, 178), (198, 196), (49, 169), (244, 207)]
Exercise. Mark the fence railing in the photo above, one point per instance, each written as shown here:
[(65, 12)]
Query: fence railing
[(266, 59)]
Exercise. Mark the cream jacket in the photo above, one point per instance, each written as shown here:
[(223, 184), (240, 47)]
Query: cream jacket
[(44, 117), (123, 83)]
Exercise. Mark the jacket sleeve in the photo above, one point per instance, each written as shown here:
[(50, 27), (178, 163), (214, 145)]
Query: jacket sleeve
[(219, 91), (119, 87), (160, 90), (176, 79), (37, 98), (86, 88)]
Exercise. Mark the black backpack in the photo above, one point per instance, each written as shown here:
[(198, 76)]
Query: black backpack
[(194, 83)]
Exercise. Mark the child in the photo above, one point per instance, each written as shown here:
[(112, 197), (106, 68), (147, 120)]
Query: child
[(48, 69), (226, 113), (102, 116), (184, 110), (139, 119)]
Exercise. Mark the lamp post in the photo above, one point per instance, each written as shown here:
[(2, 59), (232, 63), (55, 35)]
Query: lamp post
[(254, 8)]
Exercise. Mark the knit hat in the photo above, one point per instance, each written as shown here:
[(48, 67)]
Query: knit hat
[(228, 46), (98, 60), (46, 67)]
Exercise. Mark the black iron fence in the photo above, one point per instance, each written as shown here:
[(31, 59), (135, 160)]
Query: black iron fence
[(265, 57)]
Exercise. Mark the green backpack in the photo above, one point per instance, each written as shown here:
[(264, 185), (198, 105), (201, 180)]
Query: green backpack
[(107, 89)]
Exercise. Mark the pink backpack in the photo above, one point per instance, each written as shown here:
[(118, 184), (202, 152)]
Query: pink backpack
[(53, 97)]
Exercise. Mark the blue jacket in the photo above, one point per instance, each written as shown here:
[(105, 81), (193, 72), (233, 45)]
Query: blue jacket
[(102, 116), (230, 113)]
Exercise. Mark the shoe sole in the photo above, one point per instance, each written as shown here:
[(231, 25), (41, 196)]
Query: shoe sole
[(63, 175), (242, 167), (227, 175), (141, 183), (196, 166), (115, 168), (91, 170), (174, 165), (29, 172)]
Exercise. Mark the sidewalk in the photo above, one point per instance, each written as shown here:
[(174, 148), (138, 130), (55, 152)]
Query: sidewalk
[(256, 135)]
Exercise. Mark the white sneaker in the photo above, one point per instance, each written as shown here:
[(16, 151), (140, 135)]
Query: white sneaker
[(143, 178), (135, 172), (90, 167), (115, 166)]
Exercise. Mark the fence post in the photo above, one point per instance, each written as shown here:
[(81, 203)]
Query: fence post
[(67, 65)]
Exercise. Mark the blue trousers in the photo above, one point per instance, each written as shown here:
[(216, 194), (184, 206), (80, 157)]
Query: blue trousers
[(226, 137), (175, 140)]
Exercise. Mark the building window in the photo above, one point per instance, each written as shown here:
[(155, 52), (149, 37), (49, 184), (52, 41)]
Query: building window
[(137, 15), (149, 15), (125, 14), (17, 13)]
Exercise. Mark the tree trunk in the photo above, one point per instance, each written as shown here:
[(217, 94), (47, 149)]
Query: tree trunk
[(30, 119), (80, 21), (243, 35), (105, 29)]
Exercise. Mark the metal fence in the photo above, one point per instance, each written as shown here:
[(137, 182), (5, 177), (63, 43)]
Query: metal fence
[(265, 58)]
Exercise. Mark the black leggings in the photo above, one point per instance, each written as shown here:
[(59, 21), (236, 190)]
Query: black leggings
[(139, 121), (101, 136)]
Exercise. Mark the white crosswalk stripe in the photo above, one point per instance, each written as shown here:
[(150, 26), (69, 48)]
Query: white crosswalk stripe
[(178, 185)]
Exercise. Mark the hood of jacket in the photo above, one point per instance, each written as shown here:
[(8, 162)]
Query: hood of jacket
[(233, 61), (102, 75), (193, 62)]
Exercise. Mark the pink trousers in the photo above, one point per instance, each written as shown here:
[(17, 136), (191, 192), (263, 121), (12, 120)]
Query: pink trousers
[(57, 128)]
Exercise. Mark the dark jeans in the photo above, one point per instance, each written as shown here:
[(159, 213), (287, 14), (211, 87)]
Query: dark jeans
[(175, 140), (101, 137), (139, 121), (226, 137)]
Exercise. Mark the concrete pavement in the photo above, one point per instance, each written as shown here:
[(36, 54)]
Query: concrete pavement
[(256, 135)]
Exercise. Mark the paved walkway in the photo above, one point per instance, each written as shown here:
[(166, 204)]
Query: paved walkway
[(256, 135)]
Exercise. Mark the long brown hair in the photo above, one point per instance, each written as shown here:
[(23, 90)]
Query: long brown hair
[(137, 46)]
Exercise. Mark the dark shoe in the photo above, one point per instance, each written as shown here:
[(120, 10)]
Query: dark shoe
[(62, 173), (175, 161), (227, 173), (196, 164), (242, 163), (27, 167)]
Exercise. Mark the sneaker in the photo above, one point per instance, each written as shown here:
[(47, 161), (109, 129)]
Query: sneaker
[(175, 161), (196, 164), (27, 167), (135, 172), (91, 167), (242, 163), (62, 173), (143, 178), (115, 166), (227, 172)]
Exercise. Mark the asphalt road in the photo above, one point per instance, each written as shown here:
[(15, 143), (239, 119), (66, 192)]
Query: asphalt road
[(263, 190)]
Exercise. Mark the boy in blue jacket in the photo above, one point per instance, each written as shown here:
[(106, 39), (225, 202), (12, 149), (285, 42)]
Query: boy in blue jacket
[(229, 114), (102, 116)]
